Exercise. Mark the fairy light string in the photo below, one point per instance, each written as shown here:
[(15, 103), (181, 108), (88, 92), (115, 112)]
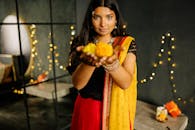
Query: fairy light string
[(37, 66), (61, 66), (35, 54), (167, 47), (37, 60)]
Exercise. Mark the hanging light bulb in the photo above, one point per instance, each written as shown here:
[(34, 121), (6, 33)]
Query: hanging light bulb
[(72, 27), (179, 98), (159, 54), (168, 34), (172, 39), (73, 32), (163, 37), (160, 62), (173, 65), (171, 72), (173, 47), (162, 41), (153, 74), (171, 77), (155, 65)]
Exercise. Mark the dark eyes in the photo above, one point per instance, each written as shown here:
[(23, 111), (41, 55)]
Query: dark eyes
[(96, 17), (108, 17)]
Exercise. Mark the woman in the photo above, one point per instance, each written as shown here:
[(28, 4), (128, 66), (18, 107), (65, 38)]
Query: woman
[(107, 85)]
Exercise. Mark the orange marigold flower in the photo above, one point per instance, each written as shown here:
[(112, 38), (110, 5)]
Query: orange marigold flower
[(89, 48), (103, 49)]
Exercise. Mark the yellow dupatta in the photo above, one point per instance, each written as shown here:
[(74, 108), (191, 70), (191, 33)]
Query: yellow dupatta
[(119, 105)]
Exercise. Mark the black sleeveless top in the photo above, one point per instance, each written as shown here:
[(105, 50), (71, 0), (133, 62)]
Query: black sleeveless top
[(94, 88)]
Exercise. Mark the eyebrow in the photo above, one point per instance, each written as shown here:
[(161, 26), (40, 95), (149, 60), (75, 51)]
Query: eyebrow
[(93, 13)]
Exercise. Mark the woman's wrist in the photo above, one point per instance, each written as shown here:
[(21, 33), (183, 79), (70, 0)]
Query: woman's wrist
[(87, 62), (113, 66), (88, 65)]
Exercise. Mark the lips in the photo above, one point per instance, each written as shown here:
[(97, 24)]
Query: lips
[(103, 30)]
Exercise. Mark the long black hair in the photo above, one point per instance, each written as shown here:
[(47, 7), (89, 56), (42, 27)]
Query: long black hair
[(87, 32)]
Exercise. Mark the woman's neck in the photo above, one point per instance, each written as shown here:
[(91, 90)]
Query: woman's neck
[(106, 39)]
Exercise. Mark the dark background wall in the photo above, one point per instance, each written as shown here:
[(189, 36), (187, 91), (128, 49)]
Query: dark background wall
[(147, 21)]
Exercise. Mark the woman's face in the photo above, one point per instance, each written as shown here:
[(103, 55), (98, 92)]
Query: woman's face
[(103, 20)]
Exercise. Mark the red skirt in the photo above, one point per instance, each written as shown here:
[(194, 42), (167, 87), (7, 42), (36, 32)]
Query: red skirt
[(87, 114)]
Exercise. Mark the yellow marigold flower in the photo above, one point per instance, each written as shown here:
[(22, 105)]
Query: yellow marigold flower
[(89, 48), (103, 49)]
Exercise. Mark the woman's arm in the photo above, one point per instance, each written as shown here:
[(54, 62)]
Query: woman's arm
[(81, 75), (123, 74), (85, 69)]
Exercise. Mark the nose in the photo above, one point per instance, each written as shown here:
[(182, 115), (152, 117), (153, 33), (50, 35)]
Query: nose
[(103, 22)]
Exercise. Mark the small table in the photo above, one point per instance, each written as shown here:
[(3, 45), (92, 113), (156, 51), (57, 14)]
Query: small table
[(46, 90), (145, 119)]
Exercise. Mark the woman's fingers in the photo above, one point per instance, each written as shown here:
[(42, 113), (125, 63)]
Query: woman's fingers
[(79, 48), (94, 60)]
